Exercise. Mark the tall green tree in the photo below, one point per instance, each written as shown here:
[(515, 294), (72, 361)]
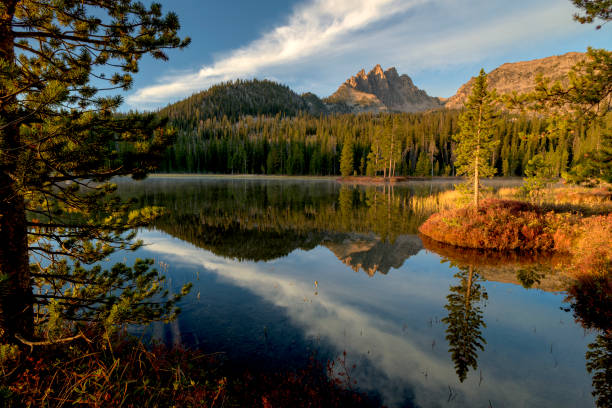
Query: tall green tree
[(582, 104), (61, 142), (475, 142), (423, 165), (346, 158)]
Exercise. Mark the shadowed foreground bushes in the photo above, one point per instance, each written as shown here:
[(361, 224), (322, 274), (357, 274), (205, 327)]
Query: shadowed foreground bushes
[(121, 372)]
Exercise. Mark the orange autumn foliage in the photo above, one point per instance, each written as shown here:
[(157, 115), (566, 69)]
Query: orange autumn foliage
[(501, 225), (505, 225), (592, 249)]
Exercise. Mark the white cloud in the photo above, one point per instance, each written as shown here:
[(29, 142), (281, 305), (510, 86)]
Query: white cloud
[(311, 27), (324, 41)]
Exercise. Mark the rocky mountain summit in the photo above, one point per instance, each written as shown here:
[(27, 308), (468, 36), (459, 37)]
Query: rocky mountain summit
[(520, 76), (380, 91)]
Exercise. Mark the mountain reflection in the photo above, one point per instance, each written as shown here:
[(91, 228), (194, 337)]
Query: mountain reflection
[(364, 227)]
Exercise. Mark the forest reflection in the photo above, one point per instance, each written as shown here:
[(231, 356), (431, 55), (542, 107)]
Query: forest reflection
[(372, 229)]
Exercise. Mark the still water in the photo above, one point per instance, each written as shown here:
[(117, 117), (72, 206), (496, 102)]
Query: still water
[(287, 269)]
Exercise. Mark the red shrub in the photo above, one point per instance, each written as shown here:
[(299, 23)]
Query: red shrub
[(496, 224)]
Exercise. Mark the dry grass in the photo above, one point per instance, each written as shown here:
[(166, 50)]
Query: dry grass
[(587, 201), (504, 225), (119, 371), (427, 205), (592, 247)]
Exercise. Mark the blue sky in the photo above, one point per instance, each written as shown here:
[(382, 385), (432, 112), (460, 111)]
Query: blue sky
[(315, 45)]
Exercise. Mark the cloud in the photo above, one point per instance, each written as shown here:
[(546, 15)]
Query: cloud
[(311, 27), (445, 38), (323, 42), (469, 41)]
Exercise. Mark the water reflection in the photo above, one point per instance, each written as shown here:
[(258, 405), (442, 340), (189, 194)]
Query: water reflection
[(590, 298), (465, 320), (370, 229), (255, 251), (530, 270)]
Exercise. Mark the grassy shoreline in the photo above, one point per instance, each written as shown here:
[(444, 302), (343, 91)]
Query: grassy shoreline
[(569, 220)]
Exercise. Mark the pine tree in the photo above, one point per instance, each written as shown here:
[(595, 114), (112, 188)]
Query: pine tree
[(475, 141), (375, 157), (593, 10), (584, 104), (60, 144), (423, 165), (346, 158)]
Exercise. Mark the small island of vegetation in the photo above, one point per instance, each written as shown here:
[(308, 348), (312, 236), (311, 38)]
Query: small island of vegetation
[(539, 216)]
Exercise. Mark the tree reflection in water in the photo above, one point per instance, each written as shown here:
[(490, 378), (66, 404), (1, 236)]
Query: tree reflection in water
[(264, 220), (590, 298), (464, 321)]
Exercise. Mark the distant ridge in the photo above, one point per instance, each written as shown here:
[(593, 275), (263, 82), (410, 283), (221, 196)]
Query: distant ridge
[(520, 76), (238, 98)]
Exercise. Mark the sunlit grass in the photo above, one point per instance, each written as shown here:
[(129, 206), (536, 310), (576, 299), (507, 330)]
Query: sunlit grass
[(588, 201)]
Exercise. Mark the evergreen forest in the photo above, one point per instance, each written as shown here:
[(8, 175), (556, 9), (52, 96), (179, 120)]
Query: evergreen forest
[(259, 127)]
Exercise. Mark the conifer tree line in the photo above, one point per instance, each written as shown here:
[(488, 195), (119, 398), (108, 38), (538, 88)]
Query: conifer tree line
[(387, 144)]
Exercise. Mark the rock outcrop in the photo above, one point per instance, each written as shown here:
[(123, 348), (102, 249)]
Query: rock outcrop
[(520, 76), (380, 91)]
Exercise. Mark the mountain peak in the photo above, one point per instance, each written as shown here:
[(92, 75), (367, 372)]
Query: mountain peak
[(392, 71), (378, 71), (381, 90)]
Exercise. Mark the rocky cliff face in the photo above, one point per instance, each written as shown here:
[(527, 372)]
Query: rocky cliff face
[(380, 91), (520, 76)]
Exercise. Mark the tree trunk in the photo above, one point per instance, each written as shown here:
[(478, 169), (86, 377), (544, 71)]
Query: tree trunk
[(468, 292), (16, 315), (476, 162), (476, 186), (391, 153)]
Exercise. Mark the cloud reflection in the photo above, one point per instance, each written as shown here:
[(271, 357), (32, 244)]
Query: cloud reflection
[(379, 323)]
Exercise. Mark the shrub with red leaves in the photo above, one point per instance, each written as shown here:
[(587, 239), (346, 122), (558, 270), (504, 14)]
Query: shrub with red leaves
[(500, 225)]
